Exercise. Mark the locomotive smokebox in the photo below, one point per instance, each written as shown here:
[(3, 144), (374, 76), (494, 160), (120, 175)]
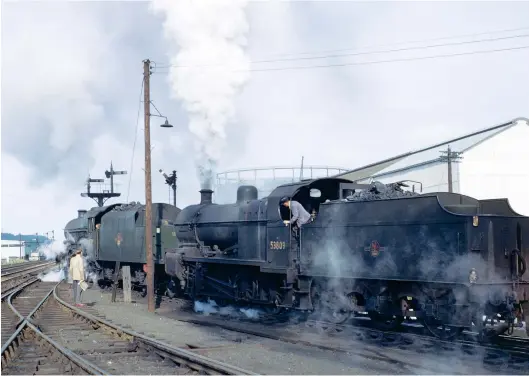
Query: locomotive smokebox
[(206, 196), (81, 213), (246, 193)]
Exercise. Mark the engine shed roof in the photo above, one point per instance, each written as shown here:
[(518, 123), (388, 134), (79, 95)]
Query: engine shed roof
[(428, 155)]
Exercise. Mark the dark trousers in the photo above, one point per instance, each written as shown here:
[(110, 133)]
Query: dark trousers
[(76, 292)]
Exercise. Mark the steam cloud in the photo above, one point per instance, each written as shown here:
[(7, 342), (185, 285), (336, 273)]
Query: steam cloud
[(208, 71), (211, 307), (52, 250), (57, 248), (53, 276)]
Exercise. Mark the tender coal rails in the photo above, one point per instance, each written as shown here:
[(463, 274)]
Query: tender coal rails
[(444, 258)]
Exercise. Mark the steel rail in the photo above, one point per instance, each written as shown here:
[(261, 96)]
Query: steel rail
[(17, 288), (9, 268), (19, 273), (192, 360), (8, 348), (24, 266)]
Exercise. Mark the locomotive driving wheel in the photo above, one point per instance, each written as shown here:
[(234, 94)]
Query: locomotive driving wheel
[(275, 308)]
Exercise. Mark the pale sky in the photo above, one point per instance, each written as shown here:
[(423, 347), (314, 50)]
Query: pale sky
[(72, 71)]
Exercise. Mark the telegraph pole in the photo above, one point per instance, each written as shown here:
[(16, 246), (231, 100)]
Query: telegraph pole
[(148, 184), (450, 157)]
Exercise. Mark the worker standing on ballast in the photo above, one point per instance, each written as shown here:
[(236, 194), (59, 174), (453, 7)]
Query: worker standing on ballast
[(77, 274)]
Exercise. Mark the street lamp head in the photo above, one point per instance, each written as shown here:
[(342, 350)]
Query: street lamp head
[(166, 124)]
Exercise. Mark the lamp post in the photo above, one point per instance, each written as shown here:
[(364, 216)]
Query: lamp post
[(148, 184)]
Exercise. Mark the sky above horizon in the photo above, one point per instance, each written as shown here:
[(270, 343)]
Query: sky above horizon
[(72, 75)]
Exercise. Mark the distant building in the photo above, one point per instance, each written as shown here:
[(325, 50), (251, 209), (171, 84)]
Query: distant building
[(17, 245), (12, 249), (491, 163)]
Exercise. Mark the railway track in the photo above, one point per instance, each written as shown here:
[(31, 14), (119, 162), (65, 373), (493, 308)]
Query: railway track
[(10, 280), (346, 339), (61, 339), (21, 266), (9, 318), (24, 349), (10, 274), (504, 353)]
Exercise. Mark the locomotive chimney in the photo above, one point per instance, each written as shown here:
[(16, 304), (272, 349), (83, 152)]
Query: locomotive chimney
[(206, 196), (81, 213)]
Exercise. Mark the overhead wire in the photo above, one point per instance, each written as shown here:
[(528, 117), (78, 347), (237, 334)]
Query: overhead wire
[(135, 137), (375, 61), (405, 42), (459, 43)]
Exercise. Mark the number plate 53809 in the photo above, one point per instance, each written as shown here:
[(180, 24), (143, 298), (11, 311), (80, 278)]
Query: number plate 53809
[(278, 245)]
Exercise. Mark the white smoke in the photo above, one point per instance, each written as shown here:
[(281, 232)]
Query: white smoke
[(211, 307), (53, 276), (209, 69), (52, 250), (88, 246)]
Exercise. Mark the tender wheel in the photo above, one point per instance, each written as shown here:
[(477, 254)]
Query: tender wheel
[(438, 322), (385, 322), (488, 332), (440, 329), (338, 316), (330, 306)]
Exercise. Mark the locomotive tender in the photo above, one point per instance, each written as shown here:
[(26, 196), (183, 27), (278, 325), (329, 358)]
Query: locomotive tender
[(445, 258)]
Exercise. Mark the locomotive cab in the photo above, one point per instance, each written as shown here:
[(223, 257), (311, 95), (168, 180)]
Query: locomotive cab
[(311, 196)]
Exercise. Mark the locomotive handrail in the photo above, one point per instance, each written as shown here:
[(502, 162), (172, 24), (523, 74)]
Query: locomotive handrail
[(521, 260), (225, 222)]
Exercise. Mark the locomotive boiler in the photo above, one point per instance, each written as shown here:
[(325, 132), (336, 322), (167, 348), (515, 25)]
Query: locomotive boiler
[(444, 258)]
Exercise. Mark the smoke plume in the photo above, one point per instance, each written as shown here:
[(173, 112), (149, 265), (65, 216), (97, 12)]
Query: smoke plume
[(53, 275), (208, 70), (52, 250)]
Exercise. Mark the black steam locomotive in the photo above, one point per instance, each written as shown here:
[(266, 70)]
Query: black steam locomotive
[(115, 234), (444, 258)]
